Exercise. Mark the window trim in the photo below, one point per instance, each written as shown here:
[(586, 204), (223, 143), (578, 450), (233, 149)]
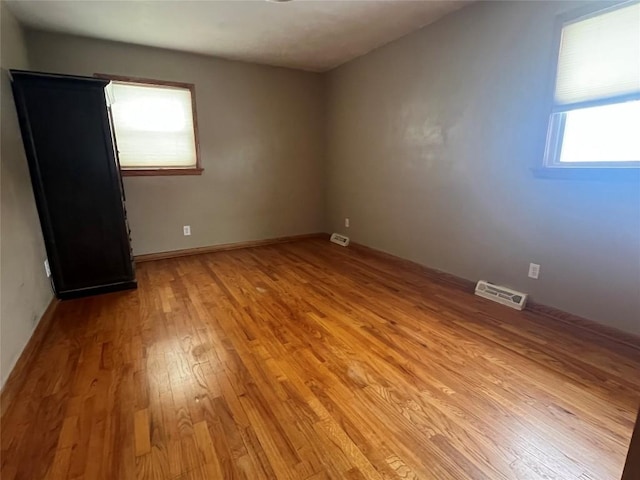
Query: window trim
[(159, 171), (556, 123)]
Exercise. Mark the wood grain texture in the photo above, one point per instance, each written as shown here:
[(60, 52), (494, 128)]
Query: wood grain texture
[(306, 360), (572, 321), (13, 385), (585, 324)]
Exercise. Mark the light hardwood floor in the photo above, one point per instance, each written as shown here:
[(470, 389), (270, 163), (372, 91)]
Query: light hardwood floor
[(310, 361)]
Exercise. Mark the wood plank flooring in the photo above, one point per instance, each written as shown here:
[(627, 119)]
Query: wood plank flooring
[(310, 361)]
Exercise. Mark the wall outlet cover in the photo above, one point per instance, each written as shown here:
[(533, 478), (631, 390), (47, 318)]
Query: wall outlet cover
[(534, 270)]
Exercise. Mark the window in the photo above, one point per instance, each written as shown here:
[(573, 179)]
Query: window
[(595, 117), (154, 126)]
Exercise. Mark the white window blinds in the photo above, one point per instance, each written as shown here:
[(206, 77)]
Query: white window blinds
[(600, 57), (153, 126)]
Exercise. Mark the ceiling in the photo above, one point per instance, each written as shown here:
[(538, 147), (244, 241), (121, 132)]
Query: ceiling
[(312, 35)]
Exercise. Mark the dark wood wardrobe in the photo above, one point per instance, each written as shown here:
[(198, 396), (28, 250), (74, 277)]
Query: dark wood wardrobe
[(76, 181)]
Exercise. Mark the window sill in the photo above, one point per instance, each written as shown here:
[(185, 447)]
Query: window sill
[(157, 172), (588, 173)]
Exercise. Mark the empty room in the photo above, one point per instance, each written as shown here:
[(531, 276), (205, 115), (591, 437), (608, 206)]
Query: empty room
[(320, 239)]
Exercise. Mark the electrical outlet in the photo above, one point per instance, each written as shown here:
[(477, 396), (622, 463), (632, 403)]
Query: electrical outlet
[(534, 270), (346, 222), (46, 268), (186, 230)]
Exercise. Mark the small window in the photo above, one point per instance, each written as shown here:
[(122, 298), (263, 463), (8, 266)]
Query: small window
[(154, 126), (595, 118)]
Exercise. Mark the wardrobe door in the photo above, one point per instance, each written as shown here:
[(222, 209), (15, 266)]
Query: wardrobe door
[(76, 182)]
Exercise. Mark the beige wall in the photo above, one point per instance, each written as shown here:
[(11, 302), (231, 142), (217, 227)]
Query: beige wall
[(432, 139), (24, 288), (261, 137)]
